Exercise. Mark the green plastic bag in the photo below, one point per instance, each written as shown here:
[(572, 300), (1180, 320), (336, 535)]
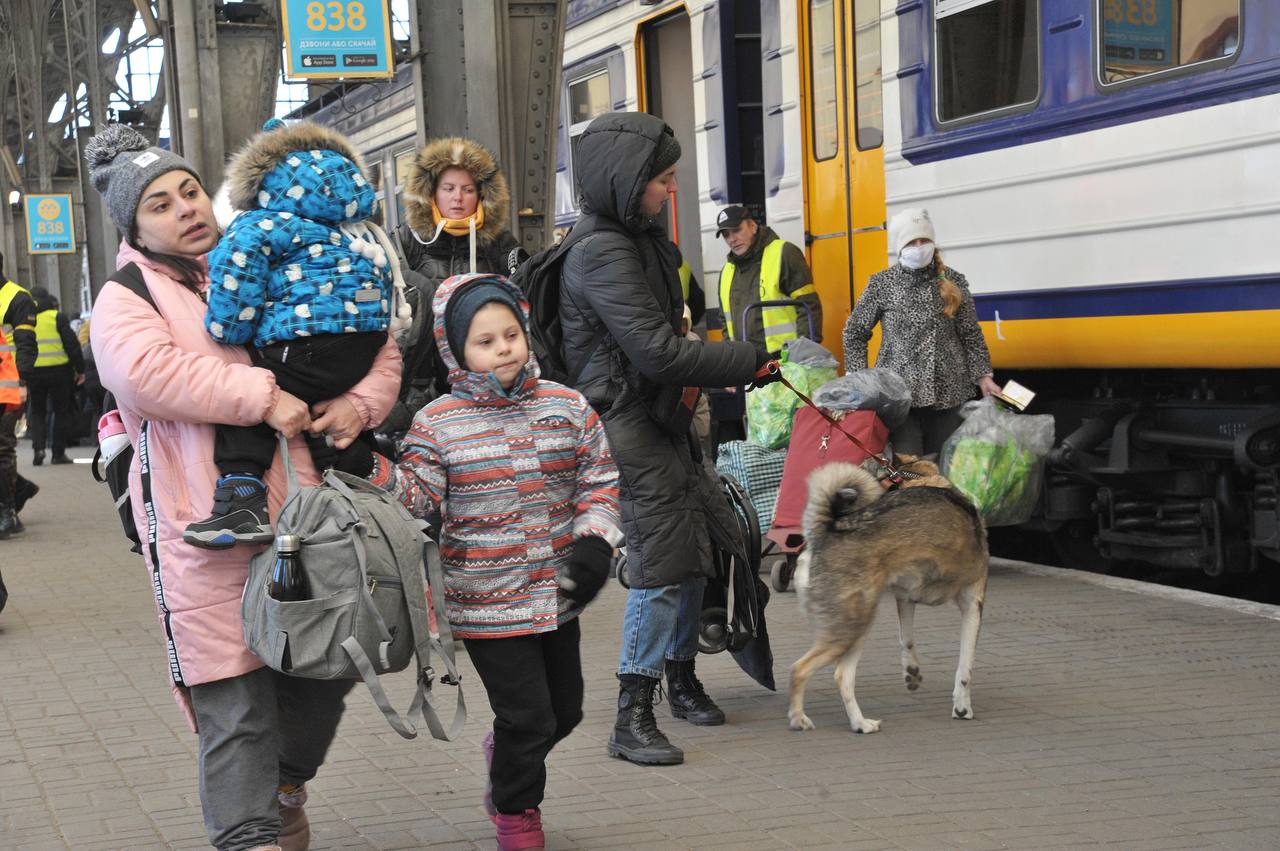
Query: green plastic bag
[(771, 409), (996, 458)]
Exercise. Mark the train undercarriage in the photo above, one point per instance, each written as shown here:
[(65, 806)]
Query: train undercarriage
[(1178, 469)]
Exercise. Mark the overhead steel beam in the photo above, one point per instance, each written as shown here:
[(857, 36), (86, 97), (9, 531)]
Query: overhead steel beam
[(490, 70)]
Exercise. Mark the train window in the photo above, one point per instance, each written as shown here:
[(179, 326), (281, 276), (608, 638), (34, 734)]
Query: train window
[(987, 56), (1139, 38), (373, 169), (824, 86), (588, 97), (866, 47), (404, 159)]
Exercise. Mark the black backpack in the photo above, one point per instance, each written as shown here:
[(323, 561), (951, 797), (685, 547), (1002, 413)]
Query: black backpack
[(115, 474), (539, 279)]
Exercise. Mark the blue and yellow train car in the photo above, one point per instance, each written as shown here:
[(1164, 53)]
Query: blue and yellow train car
[(1104, 172)]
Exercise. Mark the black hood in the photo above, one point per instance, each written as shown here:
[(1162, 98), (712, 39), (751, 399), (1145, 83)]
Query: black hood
[(614, 159)]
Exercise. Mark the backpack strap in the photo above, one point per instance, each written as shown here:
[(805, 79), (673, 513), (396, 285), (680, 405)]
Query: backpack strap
[(130, 277), (561, 253), (422, 704)]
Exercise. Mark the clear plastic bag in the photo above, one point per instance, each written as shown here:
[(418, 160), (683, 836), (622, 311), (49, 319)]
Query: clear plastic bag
[(996, 458), (770, 409), (875, 389), (805, 352)]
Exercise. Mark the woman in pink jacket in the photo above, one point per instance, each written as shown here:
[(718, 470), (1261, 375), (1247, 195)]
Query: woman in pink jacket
[(262, 734)]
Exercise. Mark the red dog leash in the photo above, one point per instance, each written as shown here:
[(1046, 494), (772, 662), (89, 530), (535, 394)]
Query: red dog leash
[(774, 368)]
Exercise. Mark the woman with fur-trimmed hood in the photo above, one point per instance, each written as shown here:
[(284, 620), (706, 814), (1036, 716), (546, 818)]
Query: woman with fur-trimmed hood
[(453, 185)]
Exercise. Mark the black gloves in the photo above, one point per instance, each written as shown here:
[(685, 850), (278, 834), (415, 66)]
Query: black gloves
[(770, 372), (356, 459), (588, 569)]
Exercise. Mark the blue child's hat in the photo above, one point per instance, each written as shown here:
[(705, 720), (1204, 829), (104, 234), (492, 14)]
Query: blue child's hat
[(466, 302)]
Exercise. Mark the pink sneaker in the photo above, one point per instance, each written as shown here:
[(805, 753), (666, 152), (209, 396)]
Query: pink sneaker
[(521, 832), (486, 744)]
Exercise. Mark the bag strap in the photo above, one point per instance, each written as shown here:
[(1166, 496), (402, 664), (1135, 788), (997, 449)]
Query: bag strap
[(423, 703), (561, 253), (130, 277)]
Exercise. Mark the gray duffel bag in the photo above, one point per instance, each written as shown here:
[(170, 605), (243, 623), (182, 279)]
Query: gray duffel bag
[(363, 556)]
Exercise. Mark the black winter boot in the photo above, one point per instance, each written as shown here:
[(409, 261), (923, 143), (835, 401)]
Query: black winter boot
[(25, 490), (688, 699), (636, 737), (9, 522)]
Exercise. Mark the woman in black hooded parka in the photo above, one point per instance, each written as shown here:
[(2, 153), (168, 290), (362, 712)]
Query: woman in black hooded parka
[(621, 307)]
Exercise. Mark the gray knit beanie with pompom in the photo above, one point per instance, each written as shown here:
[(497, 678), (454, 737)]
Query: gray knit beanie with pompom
[(121, 164)]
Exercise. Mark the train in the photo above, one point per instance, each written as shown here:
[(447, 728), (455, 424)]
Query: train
[(1102, 171)]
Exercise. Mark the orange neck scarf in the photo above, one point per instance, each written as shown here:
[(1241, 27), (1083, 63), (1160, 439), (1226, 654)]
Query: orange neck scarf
[(458, 227)]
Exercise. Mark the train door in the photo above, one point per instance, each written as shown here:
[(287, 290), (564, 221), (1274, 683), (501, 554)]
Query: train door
[(844, 161), (666, 87)]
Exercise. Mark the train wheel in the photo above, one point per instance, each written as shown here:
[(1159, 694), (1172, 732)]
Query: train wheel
[(1073, 543)]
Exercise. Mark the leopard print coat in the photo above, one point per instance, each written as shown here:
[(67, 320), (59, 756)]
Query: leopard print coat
[(940, 357)]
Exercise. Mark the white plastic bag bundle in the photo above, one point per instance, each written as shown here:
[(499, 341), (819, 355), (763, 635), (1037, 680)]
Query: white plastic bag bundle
[(996, 458), (875, 389)]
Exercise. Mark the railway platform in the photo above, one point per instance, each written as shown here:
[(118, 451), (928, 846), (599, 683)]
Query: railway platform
[(1108, 713)]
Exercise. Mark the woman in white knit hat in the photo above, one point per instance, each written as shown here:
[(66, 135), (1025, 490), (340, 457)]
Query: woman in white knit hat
[(930, 334)]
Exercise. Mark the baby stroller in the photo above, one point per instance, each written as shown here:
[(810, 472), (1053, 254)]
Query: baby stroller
[(734, 600)]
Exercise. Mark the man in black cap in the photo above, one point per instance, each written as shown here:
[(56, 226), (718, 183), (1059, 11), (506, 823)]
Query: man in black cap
[(763, 267), (621, 309)]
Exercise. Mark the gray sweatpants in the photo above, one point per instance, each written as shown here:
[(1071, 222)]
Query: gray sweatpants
[(258, 731)]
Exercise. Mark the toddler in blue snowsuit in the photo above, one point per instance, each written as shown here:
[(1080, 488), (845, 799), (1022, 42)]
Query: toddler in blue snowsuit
[(309, 281)]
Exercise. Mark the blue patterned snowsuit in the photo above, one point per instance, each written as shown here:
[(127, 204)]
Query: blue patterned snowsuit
[(287, 270)]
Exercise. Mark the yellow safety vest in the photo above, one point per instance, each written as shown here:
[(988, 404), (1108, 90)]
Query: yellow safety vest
[(686, 275), (10, 392), (51, 351), (779, 322)]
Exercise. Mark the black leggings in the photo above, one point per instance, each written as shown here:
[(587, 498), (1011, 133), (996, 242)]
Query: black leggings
[(925, 430), (314, 369), (535, 689)]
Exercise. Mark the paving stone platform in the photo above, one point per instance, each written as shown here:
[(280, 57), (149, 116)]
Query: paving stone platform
[(1108, 713)]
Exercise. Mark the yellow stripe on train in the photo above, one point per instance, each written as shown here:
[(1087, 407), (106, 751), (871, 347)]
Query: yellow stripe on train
[(1231, 339)]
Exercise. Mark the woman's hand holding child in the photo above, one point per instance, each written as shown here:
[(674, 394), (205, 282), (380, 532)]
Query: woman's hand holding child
[(289, 416), (339, 419)]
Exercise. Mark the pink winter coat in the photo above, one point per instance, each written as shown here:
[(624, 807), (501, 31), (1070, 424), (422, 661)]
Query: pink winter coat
[(167, 372)]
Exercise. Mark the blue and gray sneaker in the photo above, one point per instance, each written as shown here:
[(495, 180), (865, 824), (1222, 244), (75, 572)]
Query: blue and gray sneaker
[(239, 515)]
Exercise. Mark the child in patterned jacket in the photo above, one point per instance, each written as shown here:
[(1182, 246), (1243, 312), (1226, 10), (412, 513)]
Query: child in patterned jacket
[(529, 493), (304, 276)]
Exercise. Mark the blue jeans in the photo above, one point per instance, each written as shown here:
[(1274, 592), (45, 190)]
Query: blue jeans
[(659, 624)]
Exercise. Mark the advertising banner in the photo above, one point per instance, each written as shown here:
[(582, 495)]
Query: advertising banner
[(50, 226), (336, 38)]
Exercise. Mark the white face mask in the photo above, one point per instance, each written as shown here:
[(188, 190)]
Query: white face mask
[(917, 256)]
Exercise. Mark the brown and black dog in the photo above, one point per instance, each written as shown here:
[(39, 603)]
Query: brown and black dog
[(923, 542)]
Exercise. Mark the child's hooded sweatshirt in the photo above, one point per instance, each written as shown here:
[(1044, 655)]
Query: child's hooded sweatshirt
[(519, 475)]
